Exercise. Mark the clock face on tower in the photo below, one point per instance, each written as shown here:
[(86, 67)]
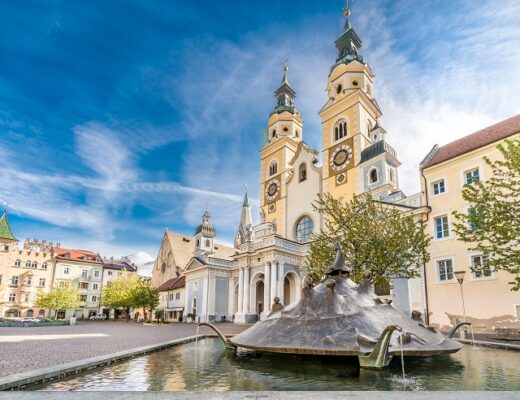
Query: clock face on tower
[(272, 189), (341, 157)]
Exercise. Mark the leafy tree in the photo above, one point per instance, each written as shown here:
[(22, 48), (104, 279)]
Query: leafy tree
[(145, 296), (493, 224), (120, 293), (59, 298), (379, 241)]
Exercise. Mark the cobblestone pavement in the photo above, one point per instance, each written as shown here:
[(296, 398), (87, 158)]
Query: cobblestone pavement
[(27, 349)]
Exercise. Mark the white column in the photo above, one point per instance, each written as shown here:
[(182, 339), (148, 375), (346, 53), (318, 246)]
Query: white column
[(267, 284), (274, 283), (246, 291), (280, 283), (240, 290)]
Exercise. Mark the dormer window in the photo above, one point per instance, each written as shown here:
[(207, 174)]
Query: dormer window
[(340, 130), (66, 255), (273, 168), (302, 172), (34, 264)]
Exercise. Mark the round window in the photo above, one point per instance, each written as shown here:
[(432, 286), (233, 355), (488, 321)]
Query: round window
[(304, 229)]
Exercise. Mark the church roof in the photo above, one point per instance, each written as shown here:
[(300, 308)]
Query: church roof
[(5, 229), (376, 149), (478, 139), (174, 283), (182, 248)]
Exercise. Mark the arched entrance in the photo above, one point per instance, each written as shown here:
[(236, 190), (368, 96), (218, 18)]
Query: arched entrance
[(291, 288), (256, 290)]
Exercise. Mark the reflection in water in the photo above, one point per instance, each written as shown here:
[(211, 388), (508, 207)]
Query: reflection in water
[(212, 367)]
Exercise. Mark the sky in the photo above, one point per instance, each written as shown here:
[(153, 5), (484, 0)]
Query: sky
[(119, 119)]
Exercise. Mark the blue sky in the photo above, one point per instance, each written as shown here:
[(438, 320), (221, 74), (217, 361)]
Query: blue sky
[(120, 118)]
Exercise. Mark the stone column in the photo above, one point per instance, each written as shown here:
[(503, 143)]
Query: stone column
[(267, 291), (274, 283), (246, 291), (280, 283), (241, 290)]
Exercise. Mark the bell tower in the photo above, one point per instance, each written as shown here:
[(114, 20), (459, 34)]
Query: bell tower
[(205, 236), (284, 133), (349, 115)]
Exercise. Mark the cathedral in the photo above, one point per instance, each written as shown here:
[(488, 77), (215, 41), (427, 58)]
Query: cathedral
[(239, 284)]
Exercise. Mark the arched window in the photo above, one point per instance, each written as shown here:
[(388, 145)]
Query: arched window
[(194, 303), (35, 264), (17, 263), (198, 242), (391, 173), (340, 130), (29, 314), (304, 228), (44, 265), (208, 244), (303, 172), (373, 175), (28, 264), (273, 168)]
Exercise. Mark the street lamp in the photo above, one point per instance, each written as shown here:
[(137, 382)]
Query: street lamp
[(460, 278)]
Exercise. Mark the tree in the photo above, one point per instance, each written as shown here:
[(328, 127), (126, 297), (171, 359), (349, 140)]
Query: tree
[(379, 241), (145, 296), (492, 224), (59, 298), (120, 293)]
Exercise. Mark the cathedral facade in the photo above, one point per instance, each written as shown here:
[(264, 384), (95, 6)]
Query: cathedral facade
[(268, 258)]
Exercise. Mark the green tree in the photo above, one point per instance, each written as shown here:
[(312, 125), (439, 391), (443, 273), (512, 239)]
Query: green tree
[(59, 298), (145, 296), (492, 224), (120, 293), (379, 241)]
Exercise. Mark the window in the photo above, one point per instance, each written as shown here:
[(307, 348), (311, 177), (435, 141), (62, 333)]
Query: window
[(66, 271), (373, 175), (109, 272), (480, 267), (198, 245), (442, 229), (273, 168), (14, 280), (83, 285), (29, 313), (170, 297), (64, 284), (445, 270), (438, 187), (195, 285), (177, 296), (17, 263), (194, 303), (28, 281), (42, 282), (26, 298), (471, 176), (391, 173), (304, 229), (34, 264), (0, 279), (96, 274), (94, 286), (28, 264), (12, 297), (303, 172), (208, 243), (94, 298), (472, 225), (6, 247), (340, 130), (44, 265), (83, 297), (84, 273)]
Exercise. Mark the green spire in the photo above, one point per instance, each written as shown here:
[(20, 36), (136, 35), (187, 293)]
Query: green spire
[(285, 95), (5, 229), (246, 200), (349, 43)]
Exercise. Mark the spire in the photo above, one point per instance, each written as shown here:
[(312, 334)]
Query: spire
[(285, 94), (5, 229), (348, 43), (245, 227), (246, 200)]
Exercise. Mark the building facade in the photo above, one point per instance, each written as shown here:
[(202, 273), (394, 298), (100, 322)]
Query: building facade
[(268, 257), (83, 270), (172, 295), (112, 270), (25, 271), (488, 300)]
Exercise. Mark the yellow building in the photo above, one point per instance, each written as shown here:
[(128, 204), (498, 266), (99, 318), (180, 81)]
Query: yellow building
[(489, 301), (24, 271)]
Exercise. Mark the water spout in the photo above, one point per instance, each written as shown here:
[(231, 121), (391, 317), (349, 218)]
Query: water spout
[(224, 339), (456, 328), (379, 358)]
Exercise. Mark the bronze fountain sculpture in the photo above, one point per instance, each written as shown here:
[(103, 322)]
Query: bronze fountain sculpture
[(341, 318)]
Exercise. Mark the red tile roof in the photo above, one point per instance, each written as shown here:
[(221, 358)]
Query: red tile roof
[(77, 255), (473, 141), (174, 283)]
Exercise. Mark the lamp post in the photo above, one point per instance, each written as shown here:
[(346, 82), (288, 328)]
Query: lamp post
[(460, 278)]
